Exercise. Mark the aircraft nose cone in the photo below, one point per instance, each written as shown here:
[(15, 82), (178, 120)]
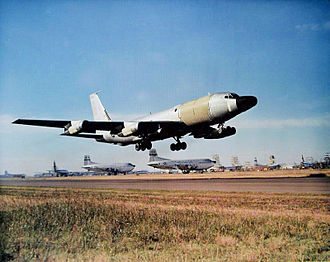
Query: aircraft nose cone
[(246, 102)]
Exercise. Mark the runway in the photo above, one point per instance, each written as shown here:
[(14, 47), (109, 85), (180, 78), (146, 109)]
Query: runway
[(316, 185)]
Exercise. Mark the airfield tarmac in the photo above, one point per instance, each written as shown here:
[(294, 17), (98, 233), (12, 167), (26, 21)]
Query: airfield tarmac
[(272, 182)]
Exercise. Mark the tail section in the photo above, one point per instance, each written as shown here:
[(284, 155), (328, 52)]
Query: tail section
[(87, 160), (216, 159), (99, 112), (153, 156), (54, 166)]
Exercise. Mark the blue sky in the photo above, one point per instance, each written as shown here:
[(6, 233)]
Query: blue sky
[(150, 55)]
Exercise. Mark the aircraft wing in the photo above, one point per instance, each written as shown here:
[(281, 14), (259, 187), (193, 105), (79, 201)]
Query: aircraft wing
[(94, 136), (48, 123), (145, 127), (115, 127), (80, 125), (185, 167)]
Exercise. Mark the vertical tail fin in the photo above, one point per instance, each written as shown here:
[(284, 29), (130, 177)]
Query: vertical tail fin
[(216, 159), (153, 156), (99, 112), (55, 168), (87, 160)]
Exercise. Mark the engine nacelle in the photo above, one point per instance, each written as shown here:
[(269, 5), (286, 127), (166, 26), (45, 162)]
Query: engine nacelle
[(221, 132), (129, 128), (75, 127), (115, 139)]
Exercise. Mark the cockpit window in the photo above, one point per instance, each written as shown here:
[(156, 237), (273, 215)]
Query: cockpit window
[(231, 95)]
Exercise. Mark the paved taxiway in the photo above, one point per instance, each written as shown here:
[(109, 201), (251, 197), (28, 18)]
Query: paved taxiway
[(314, 185)]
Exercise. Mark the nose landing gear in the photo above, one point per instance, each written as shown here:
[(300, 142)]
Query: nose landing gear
[(178, 146)]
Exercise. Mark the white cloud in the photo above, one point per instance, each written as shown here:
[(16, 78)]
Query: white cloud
[(326, 25), (274, 123), (308, 27), (313, 27), (126, 117), (6, 126)]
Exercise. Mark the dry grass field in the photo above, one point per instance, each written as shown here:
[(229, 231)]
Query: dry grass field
[(48, 224)]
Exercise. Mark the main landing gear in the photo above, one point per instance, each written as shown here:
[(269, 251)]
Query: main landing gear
[(143, 146), (178, 146)]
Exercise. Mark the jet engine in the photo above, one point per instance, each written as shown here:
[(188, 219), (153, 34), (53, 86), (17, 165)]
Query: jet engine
[(221, 132), (136, 128), (129, 128), (74, 127)]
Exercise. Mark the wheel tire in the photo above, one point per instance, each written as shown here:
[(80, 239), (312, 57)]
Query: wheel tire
[(183, 146), (137, 147), (149, 145), (173, 147)]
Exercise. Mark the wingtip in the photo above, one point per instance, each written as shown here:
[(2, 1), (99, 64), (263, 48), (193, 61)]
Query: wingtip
[(15, 121)]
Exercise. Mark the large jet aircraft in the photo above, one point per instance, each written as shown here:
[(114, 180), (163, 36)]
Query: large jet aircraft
[(8, 175), (59, 172), (200, 118), (107, 168), (185, 165)]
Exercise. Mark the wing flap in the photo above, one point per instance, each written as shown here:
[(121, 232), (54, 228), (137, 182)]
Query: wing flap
[(160, 126), (95, 136), (114, 126)]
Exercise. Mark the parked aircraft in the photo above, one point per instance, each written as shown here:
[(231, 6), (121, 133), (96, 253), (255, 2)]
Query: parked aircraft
[(256, 164), (304, 164), (185, 165), (107, 168), (272, 165), (8, 175), (200, 118), (60, 172)]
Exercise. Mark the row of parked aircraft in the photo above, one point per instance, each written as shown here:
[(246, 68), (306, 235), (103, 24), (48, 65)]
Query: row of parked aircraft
[(123, 168), (155, 161)]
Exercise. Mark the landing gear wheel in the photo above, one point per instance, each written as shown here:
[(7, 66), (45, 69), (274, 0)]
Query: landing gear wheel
[(137, 147), (178, 146), (148, 145), (183, 146), (173, 147), (145, 145)]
